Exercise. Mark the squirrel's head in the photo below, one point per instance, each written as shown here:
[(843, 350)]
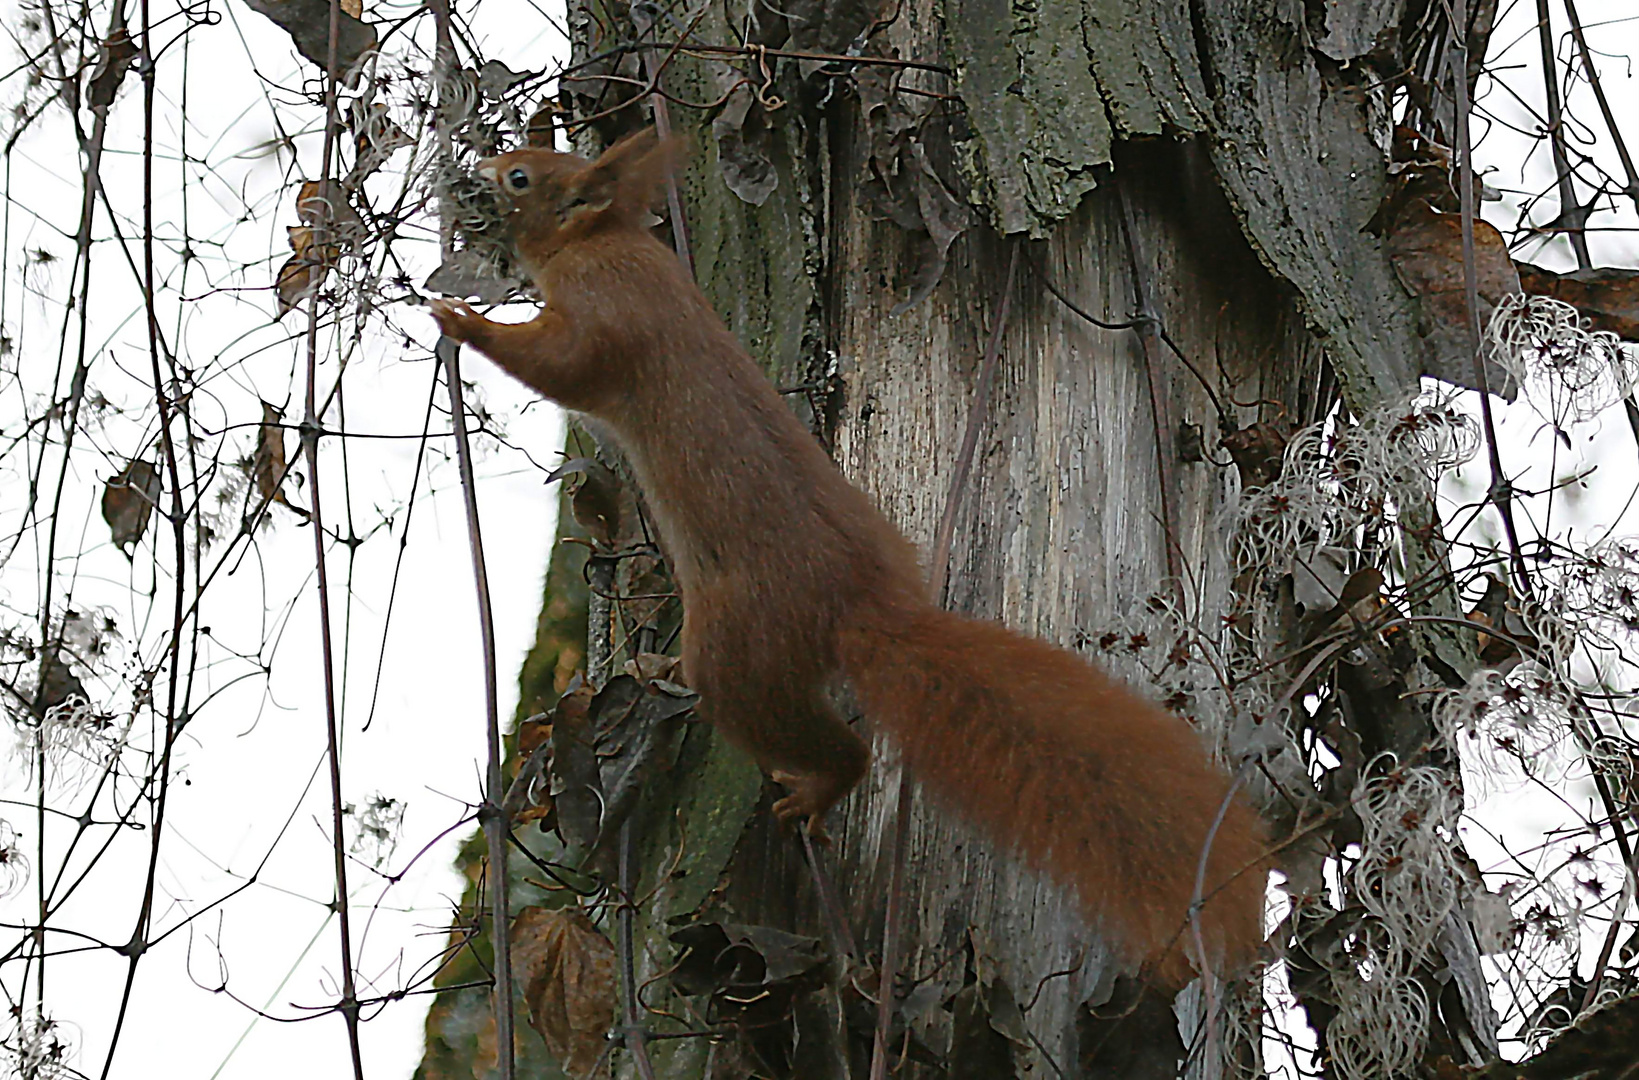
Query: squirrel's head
[(555, 198)]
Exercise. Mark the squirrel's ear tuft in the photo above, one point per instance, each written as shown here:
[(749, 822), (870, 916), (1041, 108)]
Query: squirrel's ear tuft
[(628, 175)]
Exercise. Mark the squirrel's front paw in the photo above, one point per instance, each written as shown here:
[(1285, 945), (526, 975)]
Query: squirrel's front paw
[(809, 799), (455, 318)]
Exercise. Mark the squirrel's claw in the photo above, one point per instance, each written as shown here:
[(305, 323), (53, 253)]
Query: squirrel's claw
[(453, 316)]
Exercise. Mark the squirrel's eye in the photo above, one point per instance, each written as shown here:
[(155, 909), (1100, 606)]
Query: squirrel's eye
[(517, 179)]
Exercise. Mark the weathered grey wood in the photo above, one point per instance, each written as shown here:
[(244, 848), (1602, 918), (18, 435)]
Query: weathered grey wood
[(1061, 527)]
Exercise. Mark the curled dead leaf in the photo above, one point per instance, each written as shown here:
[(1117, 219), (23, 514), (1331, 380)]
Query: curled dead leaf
[(596, 499), (1258, 451), (1426, 248), (495, 79), (743, 138), (269, 466), (375, 138), (128, 500), (323, 205), (539, 128), (469, 276), (901, 184), (308, 24), (534, 733), (647, 667), (566, 967), (1607, 296), (114, 59)]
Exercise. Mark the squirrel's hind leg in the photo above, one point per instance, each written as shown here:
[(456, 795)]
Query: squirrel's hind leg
[(795, 734)]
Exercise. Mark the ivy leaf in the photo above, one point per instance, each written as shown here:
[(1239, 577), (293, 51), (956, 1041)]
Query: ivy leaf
[(567, 970)]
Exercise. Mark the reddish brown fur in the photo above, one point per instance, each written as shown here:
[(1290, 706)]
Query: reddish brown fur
[(790, 575)]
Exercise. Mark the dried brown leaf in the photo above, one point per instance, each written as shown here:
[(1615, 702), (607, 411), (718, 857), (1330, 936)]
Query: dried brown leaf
[(575, 787), (308, 24), (304, 271), (1607, 296), (128, 500), (647, 667), (375, 138), (114, 59), (1426, 248), (533, 734), (323, 204), (298, 279), (269, 465), (743, 137), (567, 970), (1258, 451)]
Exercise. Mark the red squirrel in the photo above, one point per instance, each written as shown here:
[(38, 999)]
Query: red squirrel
[(790, 576)]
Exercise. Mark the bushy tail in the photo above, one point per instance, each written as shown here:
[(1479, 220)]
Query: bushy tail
[(1060, 764)]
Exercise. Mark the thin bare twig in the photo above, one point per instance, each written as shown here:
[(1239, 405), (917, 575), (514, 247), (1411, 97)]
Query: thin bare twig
[(311, 427), (1572, 215), (1501, 491), (493, 815)]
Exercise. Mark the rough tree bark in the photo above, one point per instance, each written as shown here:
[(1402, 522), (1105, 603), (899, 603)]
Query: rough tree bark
[(1213, 165)]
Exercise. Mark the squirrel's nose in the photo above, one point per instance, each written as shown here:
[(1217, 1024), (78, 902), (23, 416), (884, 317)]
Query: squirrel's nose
[(487, 171)]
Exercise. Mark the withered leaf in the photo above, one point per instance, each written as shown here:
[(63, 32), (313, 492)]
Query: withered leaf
[(1364, 584), (1426, 248), (495, 78), (628, 719), (375, 138), (470, 277), (943, 218), (323, 205), (308, 24), (269, 466), (1318, 576), (1497, 609), (302, 273), (596, 500), (648, 667), (575, 787), (128, 500), (901, 184), (305, 271), (751, 973), (533, 733), (1607, 296), (567, 970), (114, 58), (752, 976), (646, 588), (1258, 451), (1419, 169), (538, 129), (58, 683), (742, 134)]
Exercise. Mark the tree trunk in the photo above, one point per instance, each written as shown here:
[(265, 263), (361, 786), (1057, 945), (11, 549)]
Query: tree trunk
[(1199, 173)]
